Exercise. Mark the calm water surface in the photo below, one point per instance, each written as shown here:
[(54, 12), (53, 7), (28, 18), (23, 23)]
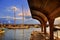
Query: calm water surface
[(20, 34), (17, 34)]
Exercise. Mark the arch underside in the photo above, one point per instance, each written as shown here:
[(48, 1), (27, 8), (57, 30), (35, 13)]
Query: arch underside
[(46, 7), (39, 14), (47, 10), (43, 26)]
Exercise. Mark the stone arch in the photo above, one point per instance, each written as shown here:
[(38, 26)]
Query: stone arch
[(42, 23), (55, 13), (51, 18), (39, 14), (47, 9)]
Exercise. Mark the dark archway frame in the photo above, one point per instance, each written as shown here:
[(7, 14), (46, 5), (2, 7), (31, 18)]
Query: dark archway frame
[(50, 8)]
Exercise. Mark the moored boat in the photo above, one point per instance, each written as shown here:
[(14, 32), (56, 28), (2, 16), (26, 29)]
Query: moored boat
[(2, 30)]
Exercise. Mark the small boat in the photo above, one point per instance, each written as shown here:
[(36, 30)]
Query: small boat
[(2, 30)]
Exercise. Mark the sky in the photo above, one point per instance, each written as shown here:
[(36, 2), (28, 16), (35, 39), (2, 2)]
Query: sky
[(7, 6), (21, 6)]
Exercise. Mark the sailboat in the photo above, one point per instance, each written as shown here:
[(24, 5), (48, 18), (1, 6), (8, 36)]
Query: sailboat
[(22, 26), (2, 30)]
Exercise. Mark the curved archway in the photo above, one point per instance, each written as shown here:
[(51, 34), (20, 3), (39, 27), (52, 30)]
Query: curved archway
[(52, 16), (43, 23), (47, 9), (39, 14), (55, 13), (41, 17)]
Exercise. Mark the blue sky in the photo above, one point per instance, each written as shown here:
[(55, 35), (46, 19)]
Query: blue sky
[(6, 11), (6, 5)]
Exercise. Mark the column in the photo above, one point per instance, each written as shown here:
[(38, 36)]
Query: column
[(51, 23), (42, 27)]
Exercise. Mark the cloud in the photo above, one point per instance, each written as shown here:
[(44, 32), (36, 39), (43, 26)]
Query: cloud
[(8, 17), (17, 18), (32, 21), (26, 16), (19, 14), (26, 13), (13, 8)]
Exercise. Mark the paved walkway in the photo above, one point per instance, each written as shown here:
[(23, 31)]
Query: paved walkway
[(36, 35)]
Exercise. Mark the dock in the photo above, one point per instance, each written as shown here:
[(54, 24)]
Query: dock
[(35, 35)]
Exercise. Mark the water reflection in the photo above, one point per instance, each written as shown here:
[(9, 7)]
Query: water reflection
[(17, 34), (20, 34), (1, 36)]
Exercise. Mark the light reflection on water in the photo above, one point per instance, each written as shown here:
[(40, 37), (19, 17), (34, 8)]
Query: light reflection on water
[(17, 34), (20, 34)]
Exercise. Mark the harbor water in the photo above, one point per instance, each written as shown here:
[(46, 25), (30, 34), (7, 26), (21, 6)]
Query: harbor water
[(20, 34), (17, 34)]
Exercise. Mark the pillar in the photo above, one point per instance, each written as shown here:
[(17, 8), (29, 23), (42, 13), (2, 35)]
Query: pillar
[(42, 27), (51, 23)]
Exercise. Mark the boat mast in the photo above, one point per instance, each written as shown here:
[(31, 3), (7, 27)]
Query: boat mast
[(22, 16), (23, 20), (14, 16)]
